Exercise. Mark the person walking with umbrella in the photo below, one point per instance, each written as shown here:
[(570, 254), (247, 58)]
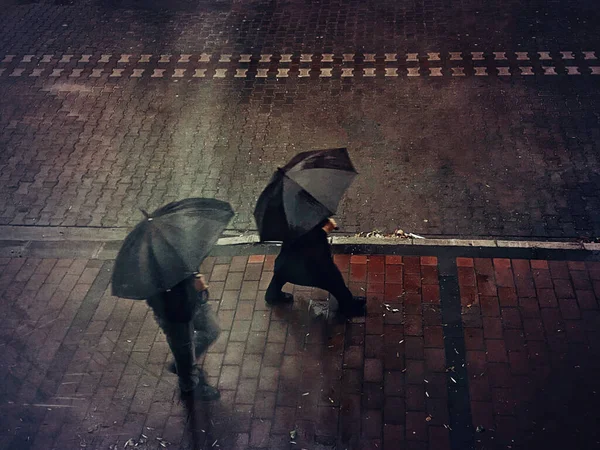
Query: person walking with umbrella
[(296, 208), (158, 261)]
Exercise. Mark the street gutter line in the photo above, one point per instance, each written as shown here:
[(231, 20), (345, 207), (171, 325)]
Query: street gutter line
[(93, 234)]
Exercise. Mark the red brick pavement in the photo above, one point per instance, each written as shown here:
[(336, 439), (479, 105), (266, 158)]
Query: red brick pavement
[(531, 333), (82, 368)]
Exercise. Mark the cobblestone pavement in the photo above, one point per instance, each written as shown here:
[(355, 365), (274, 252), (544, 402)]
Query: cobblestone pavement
[(478, 119), (455, 353)]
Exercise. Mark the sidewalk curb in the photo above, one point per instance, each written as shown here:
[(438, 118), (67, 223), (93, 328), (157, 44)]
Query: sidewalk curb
[(104, 244), (97, 234)]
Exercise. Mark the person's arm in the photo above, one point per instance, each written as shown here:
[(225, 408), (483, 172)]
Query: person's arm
[(330, 225), (201, 287)]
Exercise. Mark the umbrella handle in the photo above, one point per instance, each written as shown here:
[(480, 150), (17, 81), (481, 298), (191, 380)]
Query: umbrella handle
[(145, 213)]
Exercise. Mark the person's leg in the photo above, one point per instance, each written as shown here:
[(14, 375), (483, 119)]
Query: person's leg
[(180, 340), (274, 295), (180, 337), (206, 328), (330, 279)]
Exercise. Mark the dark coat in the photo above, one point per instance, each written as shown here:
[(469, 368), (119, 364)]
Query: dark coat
[(178, 304), (306, 261)]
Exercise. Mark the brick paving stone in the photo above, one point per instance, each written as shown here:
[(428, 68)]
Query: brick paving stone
[(381, 382), (509, 381)]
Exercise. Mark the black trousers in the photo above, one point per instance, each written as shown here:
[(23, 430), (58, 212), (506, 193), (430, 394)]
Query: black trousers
[(188, 340), (322, 273)]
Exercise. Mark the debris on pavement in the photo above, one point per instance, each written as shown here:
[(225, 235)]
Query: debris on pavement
[(143, 439), (162, 442), (401, 234), (389, 308)]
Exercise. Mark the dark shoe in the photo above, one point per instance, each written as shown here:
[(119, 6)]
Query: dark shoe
[(282, 299), (203, 392), (356, 308)]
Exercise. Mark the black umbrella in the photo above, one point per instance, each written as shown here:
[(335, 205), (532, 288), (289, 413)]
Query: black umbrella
[(168, 246), (303, 193)]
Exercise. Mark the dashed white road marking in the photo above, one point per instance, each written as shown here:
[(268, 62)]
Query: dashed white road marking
[(305, 65), (180, 73), (526, 70), (220, 73)]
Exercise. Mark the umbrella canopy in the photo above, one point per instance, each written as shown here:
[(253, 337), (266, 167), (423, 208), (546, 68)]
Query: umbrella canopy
[(303, 193), (168, 246)]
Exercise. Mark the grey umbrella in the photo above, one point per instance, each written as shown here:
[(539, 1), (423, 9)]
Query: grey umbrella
[(301, 194), (168, 246)]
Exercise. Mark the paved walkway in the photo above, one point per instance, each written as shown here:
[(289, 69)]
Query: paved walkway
[(470, 120), (455, 353)]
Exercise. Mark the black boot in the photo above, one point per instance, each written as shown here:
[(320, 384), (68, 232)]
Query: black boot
[(203, 391), (206, 392), (355, 308), (281, 298)]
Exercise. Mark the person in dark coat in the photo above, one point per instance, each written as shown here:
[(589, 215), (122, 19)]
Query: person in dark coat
[(308, 261), (184, 315)]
